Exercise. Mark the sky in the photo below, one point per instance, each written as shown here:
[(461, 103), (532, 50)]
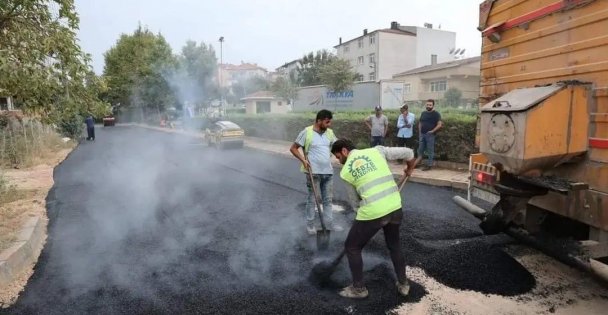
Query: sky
[(267, 32)]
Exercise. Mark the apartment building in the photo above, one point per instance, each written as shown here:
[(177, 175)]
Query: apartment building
[(229, 73), (382, 53)]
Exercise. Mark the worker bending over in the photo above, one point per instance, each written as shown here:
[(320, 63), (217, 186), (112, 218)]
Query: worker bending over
[(379, 207)]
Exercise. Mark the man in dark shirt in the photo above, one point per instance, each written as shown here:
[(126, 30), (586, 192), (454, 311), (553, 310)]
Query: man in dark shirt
[(430, 123), (90, 127)]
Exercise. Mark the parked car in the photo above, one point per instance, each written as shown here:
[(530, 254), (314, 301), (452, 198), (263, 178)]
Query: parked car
[(109, 121), (223, 134)]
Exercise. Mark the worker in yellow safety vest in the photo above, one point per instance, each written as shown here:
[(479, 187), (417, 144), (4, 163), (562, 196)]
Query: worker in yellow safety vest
[(316, 141), (379, 207)]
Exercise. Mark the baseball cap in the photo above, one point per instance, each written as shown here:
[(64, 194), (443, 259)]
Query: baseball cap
[(378, 108)]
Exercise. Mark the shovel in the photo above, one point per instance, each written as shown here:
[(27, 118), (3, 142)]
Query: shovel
[(322, 271), (323, 233)]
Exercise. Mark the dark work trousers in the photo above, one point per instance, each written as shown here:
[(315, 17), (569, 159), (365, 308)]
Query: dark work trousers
[(376, 140), (363, 231), (406, 142), (91, 133)]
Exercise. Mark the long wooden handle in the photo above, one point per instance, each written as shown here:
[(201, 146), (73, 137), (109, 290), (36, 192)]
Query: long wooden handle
[(403, 181), (314, 191)]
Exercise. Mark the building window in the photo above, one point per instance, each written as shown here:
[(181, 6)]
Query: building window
[(433, 59), (372, 39), (439, 86), (372, 76), (360, 42), (280, 103), (359, 77), (346, 48), (360, 60), (372, 58), (407, 88)]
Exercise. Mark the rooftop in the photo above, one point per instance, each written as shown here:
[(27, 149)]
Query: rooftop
[(261, 95), (440, 66), (242, 66)]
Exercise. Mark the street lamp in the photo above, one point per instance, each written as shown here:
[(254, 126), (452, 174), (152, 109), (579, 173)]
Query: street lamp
[(220, 75)]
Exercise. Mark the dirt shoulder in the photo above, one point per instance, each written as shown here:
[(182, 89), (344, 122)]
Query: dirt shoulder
[(26, 199)]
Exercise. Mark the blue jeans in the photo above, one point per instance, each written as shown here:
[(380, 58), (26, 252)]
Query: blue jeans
[(377, 140), (325, 187), (427, 144)]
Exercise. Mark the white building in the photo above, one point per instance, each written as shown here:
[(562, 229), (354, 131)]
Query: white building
[(382, 53), (432, 81), (263, 102), (289, 68), (229, 73)]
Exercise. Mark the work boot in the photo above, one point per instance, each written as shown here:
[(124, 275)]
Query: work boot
[(426, 168), (310, 229), (354, 293), (403, 289)]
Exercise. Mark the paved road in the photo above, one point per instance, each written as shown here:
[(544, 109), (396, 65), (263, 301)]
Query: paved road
[(143, 222)]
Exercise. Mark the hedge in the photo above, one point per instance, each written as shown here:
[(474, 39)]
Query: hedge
[(455, 142)]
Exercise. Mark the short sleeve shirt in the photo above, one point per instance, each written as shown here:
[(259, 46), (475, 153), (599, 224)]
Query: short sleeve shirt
[(378, 125), (319, 153)]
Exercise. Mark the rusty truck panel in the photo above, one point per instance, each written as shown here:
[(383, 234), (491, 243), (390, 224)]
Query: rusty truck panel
[(529, 44)]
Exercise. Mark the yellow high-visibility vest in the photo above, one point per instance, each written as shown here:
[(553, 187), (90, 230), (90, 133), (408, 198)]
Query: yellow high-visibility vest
[(368, 171), (308, 140)]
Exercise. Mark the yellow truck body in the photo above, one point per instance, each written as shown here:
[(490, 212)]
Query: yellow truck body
[(544, 105)]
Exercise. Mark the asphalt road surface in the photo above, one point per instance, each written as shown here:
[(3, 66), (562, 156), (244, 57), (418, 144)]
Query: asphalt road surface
[(143, 222)]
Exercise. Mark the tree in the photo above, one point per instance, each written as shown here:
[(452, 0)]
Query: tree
[(338, 75), (137, 70), (247, 86), (310, 65), (285, 88), (194, 80), (41, 64), (453, 96)]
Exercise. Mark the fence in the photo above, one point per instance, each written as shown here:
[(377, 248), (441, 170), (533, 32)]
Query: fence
[(22, 141)]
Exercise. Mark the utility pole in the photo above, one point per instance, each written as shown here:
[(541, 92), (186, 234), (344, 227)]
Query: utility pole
[(220, 76)]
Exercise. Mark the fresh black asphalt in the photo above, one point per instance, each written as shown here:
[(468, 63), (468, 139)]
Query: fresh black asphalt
[(144, 222)]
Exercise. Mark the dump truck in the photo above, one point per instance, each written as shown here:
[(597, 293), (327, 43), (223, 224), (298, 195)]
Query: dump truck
[(541, 173)]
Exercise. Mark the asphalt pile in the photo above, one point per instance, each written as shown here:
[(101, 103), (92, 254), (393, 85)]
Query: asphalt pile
[(214, 240)]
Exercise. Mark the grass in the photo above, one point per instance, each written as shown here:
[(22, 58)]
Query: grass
[(24, 144)]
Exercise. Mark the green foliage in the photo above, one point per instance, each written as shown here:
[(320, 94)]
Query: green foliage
[(285, 88), (247, 86), (41, 63), (338, 75), (193, 80), (136, 70), (452, 97), (455, 142), (24, 140), (309, 67)]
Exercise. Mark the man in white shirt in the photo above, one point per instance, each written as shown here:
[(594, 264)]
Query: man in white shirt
[(405, 123)]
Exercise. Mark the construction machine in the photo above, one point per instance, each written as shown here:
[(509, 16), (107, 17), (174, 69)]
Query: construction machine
[(542, 129)]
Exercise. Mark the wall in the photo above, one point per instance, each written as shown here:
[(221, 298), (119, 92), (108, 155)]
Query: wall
[(433, 42), (354, 52), (275, 108), (465, 78), (362, 96), (395, 54)]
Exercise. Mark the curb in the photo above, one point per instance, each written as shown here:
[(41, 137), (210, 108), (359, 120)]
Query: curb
[(416, 179), (25, 250)]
